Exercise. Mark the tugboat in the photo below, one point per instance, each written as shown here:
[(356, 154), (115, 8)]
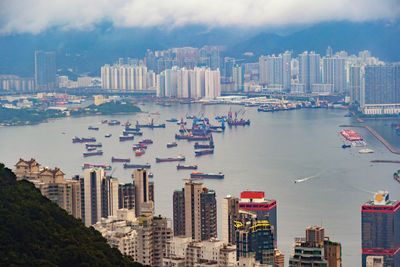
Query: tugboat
[(186, 167), (201, 175), (120, 160), (108, 135), (173, 144), (139, 152), (114, 122), (204, 152), (178, 158), (95, 153)]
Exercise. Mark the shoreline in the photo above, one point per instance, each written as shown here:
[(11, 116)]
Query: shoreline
[(377, 135)]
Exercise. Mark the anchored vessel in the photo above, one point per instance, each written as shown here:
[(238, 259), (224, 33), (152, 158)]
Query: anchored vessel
[(178, 158), (186, 167), (94, 153), (219, 175), (137, 166), (204, 152), (88, 166), (120, 160), (83, 140)]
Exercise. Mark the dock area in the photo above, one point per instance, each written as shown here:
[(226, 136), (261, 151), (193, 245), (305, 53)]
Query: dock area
[(378, 136)]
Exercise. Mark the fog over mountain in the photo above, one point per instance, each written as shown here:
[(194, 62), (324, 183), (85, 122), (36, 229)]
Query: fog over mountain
[(87, 34)]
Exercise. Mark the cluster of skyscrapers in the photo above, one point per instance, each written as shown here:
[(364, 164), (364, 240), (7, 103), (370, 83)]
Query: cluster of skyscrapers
[(124, 214)]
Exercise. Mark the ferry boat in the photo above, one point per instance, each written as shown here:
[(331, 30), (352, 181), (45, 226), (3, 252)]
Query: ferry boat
[(173, 144), (120, 160), (137, 166), (172, 120), (93, 128), (83, 140), (139, 152), (108, 135), (204, 152), (186, 167), (126, 138), (202, 175), (114, 122), (94, 153), (94, 145), (178, 158), (197, 145), (88, 166), (351, 135)]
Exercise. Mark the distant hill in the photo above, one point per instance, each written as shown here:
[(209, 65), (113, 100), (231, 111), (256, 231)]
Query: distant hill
[(86, 51), (34, 231)]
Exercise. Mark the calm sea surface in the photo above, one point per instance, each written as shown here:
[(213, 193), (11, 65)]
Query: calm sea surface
[(269, 155)]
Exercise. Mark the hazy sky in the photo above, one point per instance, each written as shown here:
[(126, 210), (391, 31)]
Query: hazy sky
[(35, 16)]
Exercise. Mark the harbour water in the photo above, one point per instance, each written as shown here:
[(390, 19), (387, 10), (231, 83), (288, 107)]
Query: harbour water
[(269, 155)]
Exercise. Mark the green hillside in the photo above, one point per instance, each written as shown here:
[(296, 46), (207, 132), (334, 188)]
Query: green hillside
[(34, 231)]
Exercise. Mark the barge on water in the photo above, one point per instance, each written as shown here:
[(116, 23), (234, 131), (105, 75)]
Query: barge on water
[(186, 167), (88, 166), (197, 145), (173, 144), (83, 140), (203, 175), (94, 145), (178, 158), (94, 153), (204, 152), (93, 128), (120, 160), (126, 138)]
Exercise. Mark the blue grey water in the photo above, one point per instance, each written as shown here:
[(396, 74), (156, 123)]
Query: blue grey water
[(268, 155)]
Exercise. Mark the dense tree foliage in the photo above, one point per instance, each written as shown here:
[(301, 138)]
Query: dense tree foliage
[(34, 231), (20, 116), (108, 108)]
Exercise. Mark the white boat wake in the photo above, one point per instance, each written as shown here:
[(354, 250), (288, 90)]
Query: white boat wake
[(307, 178)]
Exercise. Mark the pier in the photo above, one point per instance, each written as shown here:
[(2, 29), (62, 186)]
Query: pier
[(378, 136)]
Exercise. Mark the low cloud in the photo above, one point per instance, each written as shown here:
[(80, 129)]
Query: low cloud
[(35, 16)]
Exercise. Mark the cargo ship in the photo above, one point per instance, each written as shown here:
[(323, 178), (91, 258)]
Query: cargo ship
[(186, 167), (173, 144), (204, 152), (351, 135), (120, 160), (178, 158), (83, 140), (181, 137), (94, 153), (150, 125), (88, 166), (240, 122), (94, 145), (137, 166), (93, 128), (197, 145), (199, 138), (203, 175), (127, 133), (126, 138), (140, 152), (265, 109), (114, 122), (129, 129)]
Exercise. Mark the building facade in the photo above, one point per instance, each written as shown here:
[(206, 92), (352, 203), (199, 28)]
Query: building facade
[(380, 230), (45, 70)]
